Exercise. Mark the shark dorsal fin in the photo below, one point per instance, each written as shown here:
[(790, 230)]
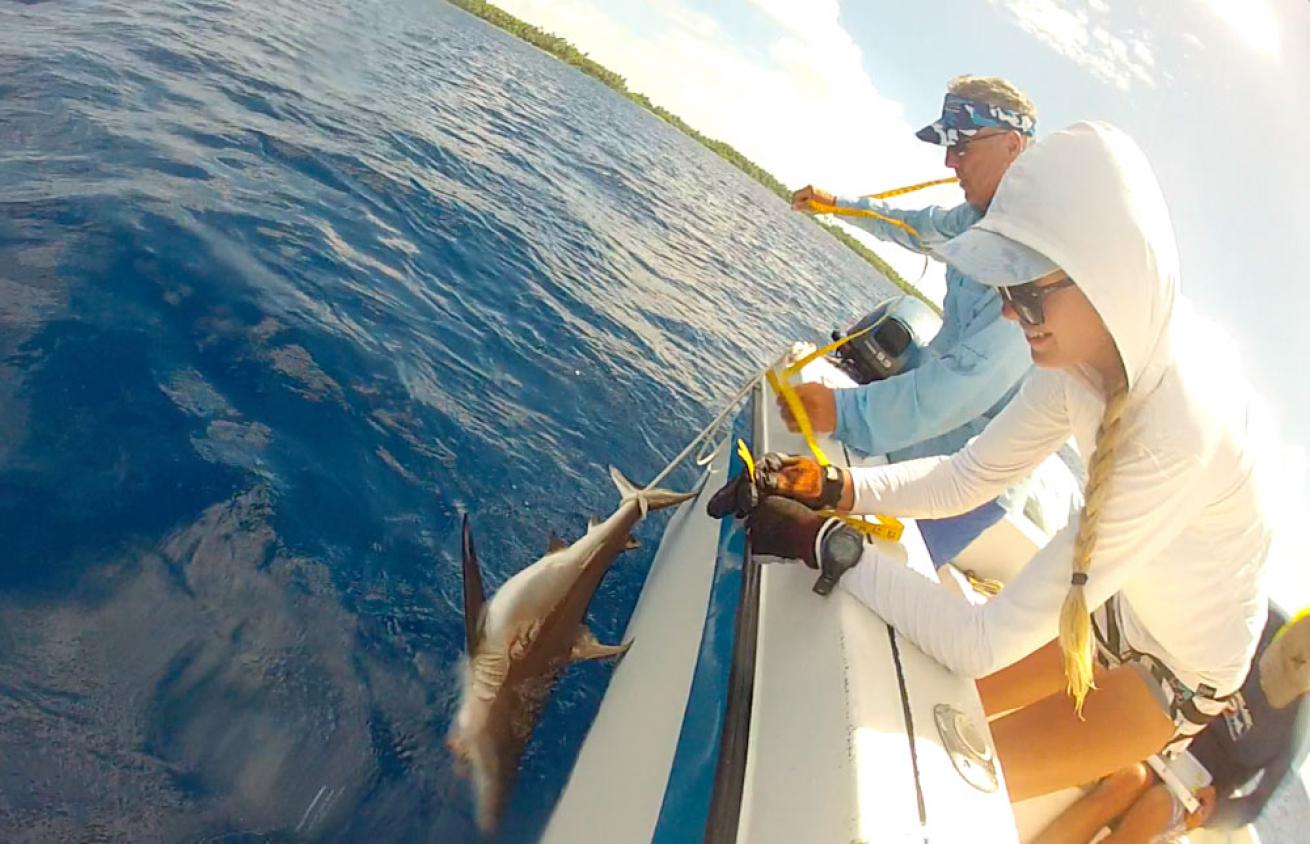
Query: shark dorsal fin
[(474, 597), (554, 543)]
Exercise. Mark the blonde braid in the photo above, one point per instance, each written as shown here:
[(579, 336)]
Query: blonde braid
[(1075, 622)]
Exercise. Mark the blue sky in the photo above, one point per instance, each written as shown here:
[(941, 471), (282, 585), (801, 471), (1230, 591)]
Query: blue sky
[(1216, 91)]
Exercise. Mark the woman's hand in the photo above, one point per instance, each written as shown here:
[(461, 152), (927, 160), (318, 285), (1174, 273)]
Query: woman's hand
[(781, 527), (802, 479)]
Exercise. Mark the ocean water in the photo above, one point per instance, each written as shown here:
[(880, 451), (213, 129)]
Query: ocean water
[(286, 288)]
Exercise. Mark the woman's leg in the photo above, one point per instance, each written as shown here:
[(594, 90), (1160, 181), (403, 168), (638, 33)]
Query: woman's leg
[(1038, 675), (1152, 816), (1113, 796), (1046, 747)]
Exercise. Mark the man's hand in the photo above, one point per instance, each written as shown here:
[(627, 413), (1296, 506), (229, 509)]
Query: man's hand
[(801, 199), (820, 405)]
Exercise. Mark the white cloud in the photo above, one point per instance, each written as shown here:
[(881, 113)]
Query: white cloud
[(1123, 56), (1086, 38), (1289, 558), (803, 108), (1252, 21)]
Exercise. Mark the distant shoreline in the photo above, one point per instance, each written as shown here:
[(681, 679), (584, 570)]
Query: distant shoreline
[(566, 52)]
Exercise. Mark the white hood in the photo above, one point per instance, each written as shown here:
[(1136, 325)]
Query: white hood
[(1087, 200), (1183, 536)]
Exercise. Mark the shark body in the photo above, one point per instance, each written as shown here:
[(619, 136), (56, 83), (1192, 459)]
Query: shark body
[(521, 640)]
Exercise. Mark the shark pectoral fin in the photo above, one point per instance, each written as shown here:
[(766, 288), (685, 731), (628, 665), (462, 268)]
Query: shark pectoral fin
[(632, 544), (474, 597), (587, 647), (554, 543)]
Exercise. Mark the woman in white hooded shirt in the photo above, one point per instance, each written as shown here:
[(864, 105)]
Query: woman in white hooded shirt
[(1169, 548)]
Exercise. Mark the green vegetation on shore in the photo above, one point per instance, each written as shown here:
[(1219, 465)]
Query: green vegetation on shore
[(566, 52)]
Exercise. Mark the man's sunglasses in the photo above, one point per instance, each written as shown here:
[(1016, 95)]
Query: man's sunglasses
[(1026, 299), (960, 147)]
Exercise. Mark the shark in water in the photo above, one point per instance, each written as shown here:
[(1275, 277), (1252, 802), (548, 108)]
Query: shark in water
[(521, 640)]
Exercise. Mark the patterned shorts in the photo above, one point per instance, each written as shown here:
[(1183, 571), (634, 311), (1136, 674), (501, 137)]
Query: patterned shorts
[(1192, 710)]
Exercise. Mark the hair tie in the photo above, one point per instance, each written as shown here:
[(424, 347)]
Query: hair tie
[(1079, 578)]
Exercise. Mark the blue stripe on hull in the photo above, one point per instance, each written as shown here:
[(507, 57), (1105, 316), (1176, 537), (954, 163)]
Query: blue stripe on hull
[(686, 806)]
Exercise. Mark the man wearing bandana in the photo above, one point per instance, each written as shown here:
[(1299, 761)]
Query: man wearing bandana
[(976, 361)]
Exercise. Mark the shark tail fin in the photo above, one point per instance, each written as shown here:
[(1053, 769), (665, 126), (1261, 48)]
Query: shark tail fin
[(650, 499)]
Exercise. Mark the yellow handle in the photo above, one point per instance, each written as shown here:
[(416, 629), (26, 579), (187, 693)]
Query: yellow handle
[(1293, 620), (745, 454)]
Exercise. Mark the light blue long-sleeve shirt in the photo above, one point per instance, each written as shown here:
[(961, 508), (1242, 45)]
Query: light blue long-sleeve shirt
[(972, 368)]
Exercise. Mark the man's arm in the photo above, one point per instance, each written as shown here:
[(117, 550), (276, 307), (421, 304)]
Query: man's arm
[(941, 394), (1234, 812), (934, 225)]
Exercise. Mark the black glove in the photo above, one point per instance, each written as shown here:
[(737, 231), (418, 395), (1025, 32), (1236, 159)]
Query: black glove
[(781, 527), (737, 497)]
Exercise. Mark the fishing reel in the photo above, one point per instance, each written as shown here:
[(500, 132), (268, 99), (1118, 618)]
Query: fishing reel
[(892, 338)]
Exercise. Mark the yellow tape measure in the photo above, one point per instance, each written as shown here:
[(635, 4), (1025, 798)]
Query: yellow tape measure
[(886, 527), (888, 194), (824, 208)]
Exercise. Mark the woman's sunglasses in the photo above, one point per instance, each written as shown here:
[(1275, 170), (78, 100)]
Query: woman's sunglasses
[(1026, 299)]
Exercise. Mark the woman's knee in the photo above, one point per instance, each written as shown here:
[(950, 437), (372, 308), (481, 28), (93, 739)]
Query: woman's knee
[(1128, 783)]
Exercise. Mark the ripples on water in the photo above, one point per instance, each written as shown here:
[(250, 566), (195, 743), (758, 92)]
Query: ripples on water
[(284, 288)]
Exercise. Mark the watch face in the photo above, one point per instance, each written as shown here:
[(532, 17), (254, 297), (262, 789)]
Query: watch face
[(843, 545)]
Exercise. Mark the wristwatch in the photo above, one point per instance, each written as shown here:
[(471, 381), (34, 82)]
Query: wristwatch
[(840, 547), (833, 482)]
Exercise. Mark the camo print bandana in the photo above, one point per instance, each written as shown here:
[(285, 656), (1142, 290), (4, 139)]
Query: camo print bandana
[(962, 118)]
